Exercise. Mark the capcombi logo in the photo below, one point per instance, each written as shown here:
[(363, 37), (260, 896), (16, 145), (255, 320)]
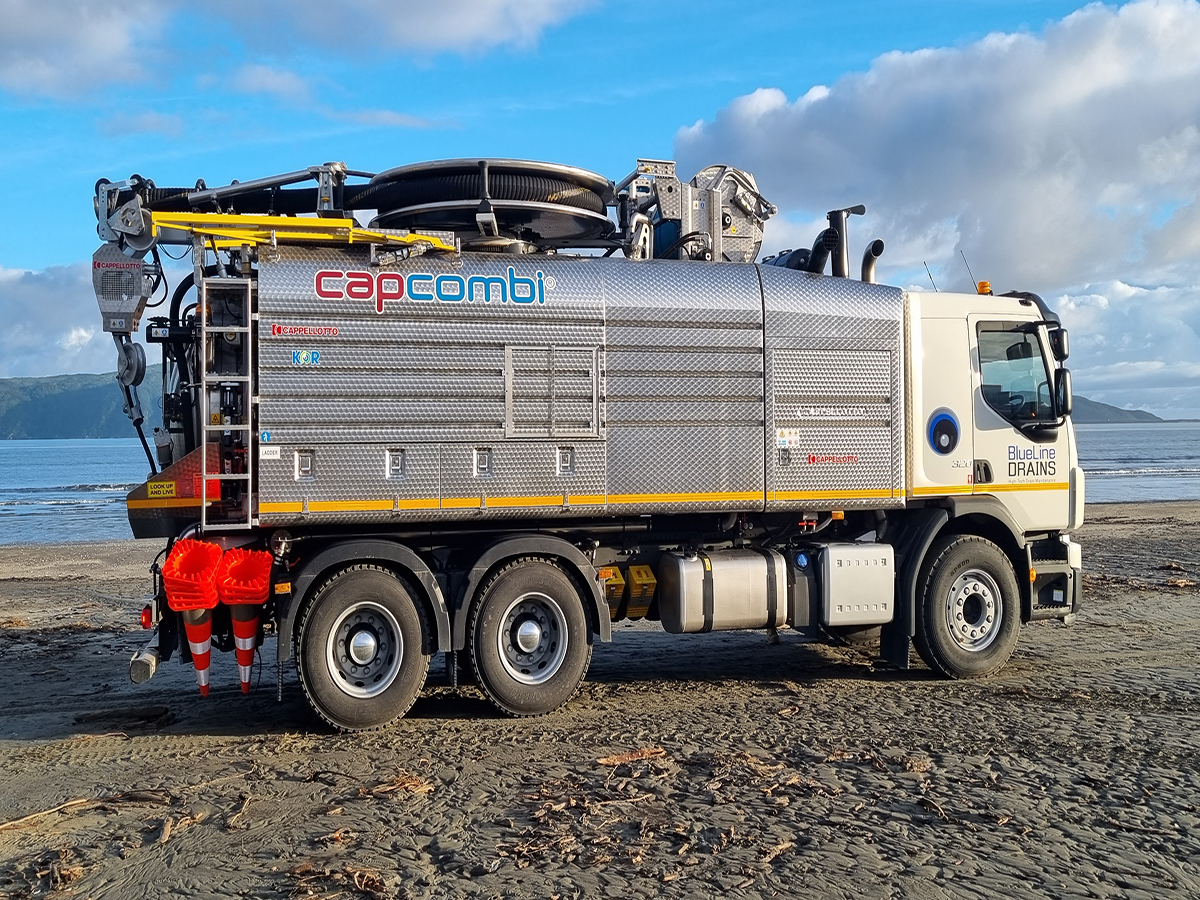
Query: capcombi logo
[(426, 287)]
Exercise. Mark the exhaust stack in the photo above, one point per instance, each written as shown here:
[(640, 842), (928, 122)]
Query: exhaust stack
[(870, 255)]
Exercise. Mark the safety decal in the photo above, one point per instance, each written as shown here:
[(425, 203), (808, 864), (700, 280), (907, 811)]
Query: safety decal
[(160, 489)]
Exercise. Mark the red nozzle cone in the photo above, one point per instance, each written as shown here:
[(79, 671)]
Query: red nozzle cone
[(245, 636), (198, 625)]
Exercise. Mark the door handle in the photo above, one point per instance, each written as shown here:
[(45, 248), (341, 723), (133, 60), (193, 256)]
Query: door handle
[(983, 472)]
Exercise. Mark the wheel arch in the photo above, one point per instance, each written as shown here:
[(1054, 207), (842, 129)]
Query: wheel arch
[(388, 554), (981, 516), (986, 517), (578, 566)]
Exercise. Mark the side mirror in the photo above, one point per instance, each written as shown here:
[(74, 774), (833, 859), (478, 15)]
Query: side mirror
[(1060, 346), (1064, 399)]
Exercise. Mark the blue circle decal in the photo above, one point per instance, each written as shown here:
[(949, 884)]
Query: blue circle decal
[(943, 431)]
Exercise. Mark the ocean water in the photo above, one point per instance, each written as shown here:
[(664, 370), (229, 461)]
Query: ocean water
[(54, 491), (73, 490), (1153, 461)]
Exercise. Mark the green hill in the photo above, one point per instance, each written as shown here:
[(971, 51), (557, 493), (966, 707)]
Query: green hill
[(74, 406), (1093, 412)]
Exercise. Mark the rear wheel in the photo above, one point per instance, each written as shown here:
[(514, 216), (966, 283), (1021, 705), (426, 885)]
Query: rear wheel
[(529, 638), (360, 649), (969, 616)]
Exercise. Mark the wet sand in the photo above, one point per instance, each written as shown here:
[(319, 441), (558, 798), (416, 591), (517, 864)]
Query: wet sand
[(697, 766)]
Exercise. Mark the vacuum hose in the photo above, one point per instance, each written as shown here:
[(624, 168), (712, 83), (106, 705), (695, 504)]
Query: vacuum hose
[(826, 243)]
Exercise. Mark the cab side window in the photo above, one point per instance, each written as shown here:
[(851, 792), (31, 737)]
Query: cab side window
[(1016, 382)]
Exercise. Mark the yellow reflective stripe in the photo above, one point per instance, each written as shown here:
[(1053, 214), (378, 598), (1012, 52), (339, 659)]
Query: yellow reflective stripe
[(349, 505), (1037, 486), (941, 490), (525, 501), (423, 503), (555, 500), (162, 503), (685, 498), (864, 494)]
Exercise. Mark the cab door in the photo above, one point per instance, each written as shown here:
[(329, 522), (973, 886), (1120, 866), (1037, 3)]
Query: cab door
[(1022, 451)]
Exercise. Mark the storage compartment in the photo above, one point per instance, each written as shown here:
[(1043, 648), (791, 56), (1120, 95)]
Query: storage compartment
[(614, 589), (722, 591), (858, 584), (639, 592)]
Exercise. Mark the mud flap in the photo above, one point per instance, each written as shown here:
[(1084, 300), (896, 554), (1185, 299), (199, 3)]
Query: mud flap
[(920, 528)]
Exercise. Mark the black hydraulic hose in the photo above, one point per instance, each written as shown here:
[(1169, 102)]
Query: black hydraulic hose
[(686, 239), (146, 447), (137, 426), (179, 348), (189, 430)]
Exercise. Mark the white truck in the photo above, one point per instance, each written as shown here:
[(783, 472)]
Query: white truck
[(469, 427)]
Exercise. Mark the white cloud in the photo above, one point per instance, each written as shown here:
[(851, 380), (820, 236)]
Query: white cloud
[(280, 83), (1066, 162), (115, 123), (289, 87), (421, 27), (61, 48), (53, 323), (385, 118)]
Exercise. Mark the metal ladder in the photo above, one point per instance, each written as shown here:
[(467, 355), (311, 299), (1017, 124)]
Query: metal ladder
[(231, 297)]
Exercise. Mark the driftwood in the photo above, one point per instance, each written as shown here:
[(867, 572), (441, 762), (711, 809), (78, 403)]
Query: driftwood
[(127, 797)]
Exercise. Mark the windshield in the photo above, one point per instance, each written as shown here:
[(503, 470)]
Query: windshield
[(1016, 382)]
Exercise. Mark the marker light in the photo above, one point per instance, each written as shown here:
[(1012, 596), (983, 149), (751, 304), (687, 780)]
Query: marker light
[(1032, 576), (147, 618)]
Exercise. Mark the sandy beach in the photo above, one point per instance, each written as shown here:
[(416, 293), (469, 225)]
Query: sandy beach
[(714, 764)]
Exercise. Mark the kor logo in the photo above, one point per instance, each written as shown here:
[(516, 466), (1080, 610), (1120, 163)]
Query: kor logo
[(425, 287)]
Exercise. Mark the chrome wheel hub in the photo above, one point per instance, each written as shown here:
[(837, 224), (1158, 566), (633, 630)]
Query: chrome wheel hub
[(974, 607), (529, 635), (363, 646), (533, 638), (364, 650)]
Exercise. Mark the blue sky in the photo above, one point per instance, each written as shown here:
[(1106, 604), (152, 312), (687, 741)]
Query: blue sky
[(982, 126)]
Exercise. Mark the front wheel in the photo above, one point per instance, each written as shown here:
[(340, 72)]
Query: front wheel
[(529, 638), (361, 649), (969, 614)]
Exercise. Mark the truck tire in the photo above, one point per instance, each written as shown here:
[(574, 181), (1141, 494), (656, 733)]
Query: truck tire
[(969, 614), (361, 649), (528, 636)]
